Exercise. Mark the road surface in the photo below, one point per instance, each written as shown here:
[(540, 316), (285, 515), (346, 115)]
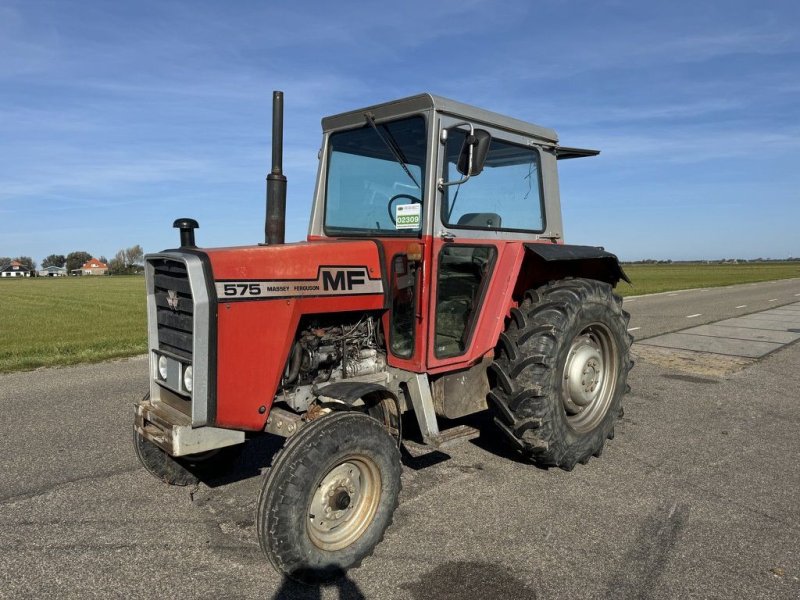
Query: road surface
[(670, 311), (697, 495)]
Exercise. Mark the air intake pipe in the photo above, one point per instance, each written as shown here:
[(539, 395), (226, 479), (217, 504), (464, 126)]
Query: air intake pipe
[(275, 226)]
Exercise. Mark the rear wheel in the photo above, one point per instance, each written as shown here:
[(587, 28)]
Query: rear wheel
[(329, 496), (561, 371)]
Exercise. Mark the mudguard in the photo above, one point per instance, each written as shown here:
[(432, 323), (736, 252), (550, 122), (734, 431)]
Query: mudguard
[(350, 391), (582, 261)]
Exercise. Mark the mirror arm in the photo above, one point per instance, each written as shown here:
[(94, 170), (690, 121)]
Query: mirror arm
[(441, 184)]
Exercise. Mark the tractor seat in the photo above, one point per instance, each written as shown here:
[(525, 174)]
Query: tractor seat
[(482, 220)]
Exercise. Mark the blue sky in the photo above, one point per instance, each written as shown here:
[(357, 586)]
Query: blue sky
[(118, 117)]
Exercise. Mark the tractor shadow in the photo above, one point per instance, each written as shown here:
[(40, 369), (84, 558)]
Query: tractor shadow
[(492, 440), (260, 451), (465, 580), (257, 456)]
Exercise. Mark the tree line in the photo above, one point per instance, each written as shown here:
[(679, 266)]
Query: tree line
[(128, 261)]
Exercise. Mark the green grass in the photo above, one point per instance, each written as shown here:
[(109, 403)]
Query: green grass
[(62, 321), (649, 279)]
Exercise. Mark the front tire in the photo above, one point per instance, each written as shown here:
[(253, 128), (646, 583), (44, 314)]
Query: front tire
[(561, 371), (329, 497)]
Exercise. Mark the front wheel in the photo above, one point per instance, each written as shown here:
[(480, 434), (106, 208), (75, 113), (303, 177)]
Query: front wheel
[(329, 496), (561, 371)]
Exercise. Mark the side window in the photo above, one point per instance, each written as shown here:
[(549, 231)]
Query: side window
[(506, 195), (463, 273), (404, 300)]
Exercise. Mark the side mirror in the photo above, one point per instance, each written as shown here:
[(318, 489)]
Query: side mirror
[(473, 153)]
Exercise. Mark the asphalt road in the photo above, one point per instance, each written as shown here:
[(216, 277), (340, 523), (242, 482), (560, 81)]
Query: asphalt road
[(697, 496), (671, 311)]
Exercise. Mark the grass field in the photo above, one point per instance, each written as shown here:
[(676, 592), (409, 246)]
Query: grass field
[(47, 322), (650, 279), (62, 321)]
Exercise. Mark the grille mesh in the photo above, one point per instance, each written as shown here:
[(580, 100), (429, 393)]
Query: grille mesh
[(174, 324)]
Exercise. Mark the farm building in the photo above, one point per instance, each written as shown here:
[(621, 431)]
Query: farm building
[(15, 269), (92, 267), (53, 272)]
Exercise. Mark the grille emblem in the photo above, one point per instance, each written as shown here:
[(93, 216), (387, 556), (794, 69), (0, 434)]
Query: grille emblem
[(172, 299)]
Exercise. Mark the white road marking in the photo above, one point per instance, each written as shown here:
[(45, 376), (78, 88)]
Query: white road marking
[(633, 328), (742, 306), (797, 294), (773, 300), (693, 316), (672, 294)]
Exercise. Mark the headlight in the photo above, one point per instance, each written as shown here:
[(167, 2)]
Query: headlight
[(187, 378), (162, 367)]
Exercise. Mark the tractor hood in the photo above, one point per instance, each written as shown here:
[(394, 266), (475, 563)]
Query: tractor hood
[(300, 270)]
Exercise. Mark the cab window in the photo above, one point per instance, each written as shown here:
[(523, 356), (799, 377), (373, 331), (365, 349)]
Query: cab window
[(506, 195)]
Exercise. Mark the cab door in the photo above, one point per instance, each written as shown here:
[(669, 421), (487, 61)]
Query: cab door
[(480, 226)]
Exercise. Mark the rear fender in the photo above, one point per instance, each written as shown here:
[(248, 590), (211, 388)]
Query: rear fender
[(549, 262)]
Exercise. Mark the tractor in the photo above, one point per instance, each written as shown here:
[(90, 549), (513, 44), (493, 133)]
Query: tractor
[(434, 283)]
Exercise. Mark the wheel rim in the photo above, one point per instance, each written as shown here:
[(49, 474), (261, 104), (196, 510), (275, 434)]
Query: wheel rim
[(590, 377), (344, 503)]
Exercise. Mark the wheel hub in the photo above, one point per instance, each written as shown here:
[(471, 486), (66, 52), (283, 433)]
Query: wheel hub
[(341, 500), (589, 377), (343, 504), (583, 374)]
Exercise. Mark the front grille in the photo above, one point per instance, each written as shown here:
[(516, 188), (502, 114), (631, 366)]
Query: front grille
[(171, 285)]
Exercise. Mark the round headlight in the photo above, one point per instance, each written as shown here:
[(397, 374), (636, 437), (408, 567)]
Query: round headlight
[(187, 378), (162, 367)]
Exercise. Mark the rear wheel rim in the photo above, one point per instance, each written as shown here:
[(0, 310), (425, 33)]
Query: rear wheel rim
[(590, 377), (344, 503)]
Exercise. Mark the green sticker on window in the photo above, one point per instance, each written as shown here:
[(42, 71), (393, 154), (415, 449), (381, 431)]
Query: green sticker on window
[(408, 216)]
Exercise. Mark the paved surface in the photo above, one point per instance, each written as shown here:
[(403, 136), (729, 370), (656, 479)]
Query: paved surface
[(751, 336), (697, 496), (671, 311)]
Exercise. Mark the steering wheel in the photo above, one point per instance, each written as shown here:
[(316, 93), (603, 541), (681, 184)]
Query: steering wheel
[(400, 197)]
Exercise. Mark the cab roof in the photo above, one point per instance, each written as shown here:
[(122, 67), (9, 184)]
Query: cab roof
[(425, 102)]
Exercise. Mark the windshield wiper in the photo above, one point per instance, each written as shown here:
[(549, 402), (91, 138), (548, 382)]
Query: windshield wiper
[(392, 145)]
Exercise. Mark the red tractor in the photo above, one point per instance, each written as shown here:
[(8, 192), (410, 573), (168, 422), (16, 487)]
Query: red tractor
[(434, 280)]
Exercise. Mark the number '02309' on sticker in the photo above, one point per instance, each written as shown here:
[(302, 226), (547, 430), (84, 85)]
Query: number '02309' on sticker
[(407, 216)]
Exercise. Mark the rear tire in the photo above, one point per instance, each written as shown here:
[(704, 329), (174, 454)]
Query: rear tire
[(329, 497), (561, 371)]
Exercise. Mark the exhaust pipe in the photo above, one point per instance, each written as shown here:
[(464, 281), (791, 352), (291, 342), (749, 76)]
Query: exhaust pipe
[(275, 226)]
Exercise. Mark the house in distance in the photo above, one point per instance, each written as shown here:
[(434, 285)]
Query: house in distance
[(53, 271), (15, 269), (92, 267)]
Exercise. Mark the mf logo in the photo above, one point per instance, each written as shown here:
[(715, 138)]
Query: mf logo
[(173, 299), (343, 279)]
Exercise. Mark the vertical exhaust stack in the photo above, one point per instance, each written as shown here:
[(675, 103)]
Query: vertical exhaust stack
[(275, 227)]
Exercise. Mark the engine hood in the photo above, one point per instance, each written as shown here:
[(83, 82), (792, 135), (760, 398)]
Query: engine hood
[(304, 269)]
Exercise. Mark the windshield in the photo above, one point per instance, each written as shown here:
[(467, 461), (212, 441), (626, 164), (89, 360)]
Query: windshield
[(368, 191)]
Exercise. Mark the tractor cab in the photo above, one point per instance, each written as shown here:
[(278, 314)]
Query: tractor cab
[(451, 192)]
